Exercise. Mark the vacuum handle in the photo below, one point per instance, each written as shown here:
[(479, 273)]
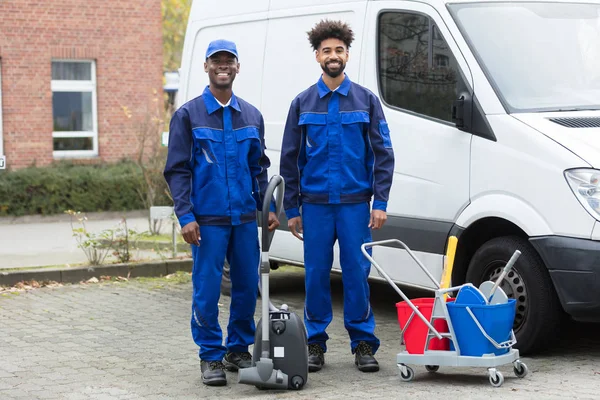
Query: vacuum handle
[(276, 182)]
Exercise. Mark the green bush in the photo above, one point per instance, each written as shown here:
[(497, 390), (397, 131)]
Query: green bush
[(85, 188)]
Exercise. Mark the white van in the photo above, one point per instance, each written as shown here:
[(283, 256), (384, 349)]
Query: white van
[(494, 112)]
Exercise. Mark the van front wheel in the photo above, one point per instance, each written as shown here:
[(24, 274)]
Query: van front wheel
[(538, 313)]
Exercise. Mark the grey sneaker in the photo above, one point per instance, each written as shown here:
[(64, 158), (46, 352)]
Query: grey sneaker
[(316, 357), (364, 359), (213, 373), (235, 361)]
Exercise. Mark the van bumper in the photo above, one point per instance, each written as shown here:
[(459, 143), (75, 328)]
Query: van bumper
[(574, 266)]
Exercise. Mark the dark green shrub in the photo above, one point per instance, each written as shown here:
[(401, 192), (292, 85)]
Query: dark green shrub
[(85, 188)]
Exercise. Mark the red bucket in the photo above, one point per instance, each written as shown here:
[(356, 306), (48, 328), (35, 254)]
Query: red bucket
[(416, 333)]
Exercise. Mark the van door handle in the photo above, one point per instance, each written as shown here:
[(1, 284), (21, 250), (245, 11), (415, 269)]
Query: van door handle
[(458, 112)]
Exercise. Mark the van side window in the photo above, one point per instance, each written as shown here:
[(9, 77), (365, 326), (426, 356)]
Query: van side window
[(417, 70)]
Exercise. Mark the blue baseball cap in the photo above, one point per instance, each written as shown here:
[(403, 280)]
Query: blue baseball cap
[(221, 45)]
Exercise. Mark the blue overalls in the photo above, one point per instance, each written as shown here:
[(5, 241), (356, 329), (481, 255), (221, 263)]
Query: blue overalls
[(216, 170), (336, 155)]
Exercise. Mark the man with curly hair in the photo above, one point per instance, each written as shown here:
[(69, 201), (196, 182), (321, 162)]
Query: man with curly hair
[(336, 156)]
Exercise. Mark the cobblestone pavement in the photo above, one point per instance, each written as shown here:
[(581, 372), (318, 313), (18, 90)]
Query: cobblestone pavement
[(131, 340)]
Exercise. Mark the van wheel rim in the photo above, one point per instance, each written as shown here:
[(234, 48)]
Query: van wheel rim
[(514, 287)]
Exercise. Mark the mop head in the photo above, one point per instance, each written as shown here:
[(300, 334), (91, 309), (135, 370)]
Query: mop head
[(263, 375)]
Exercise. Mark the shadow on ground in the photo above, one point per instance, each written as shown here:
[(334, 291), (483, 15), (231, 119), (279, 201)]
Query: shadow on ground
[(287, 285)]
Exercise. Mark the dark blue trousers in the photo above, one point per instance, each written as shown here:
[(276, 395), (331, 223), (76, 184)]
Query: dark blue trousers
[(348, 224), (240, 245)]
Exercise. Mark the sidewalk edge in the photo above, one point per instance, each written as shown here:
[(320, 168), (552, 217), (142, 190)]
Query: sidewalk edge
[(78, 274)]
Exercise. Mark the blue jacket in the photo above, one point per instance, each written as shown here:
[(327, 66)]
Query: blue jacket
[(336, 148), (216, 166)]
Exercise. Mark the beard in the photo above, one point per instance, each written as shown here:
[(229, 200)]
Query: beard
[(335, 73)]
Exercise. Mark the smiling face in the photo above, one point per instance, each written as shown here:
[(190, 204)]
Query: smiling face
[(332, 55), (222, 68)]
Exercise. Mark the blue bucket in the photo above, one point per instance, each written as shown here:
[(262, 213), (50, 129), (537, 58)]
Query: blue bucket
[(496, 319)]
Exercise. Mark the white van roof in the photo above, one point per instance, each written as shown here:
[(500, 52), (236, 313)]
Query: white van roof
[(210, 9)]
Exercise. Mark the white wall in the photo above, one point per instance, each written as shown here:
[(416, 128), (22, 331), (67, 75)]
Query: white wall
[(249, 38)]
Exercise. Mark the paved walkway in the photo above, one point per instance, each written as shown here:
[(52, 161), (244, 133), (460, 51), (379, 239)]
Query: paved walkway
[(32, 242), (131, 340)]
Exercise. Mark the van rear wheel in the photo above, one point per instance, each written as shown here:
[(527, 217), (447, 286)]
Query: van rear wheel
[(226, 280), (538, 314)]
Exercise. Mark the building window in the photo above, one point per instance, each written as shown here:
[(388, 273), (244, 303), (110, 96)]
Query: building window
[(74, 111), (417, 70)]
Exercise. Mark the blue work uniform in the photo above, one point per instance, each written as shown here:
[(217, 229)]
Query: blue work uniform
[(336, 155), (216, 170)]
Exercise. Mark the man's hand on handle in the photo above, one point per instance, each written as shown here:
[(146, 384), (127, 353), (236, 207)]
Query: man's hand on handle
[(191, 233), (273, 222), (295, 225)]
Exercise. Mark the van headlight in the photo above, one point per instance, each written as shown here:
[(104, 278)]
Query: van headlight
[(585, 183)]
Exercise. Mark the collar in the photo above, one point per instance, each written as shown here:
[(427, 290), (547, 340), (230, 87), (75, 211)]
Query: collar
[(213, 105), (224, 105), (343, 89)]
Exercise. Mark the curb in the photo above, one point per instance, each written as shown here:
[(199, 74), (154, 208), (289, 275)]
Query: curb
[(76, 275)]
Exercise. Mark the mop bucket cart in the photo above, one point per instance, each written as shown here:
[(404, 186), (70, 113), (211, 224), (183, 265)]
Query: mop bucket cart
[(484, 330)]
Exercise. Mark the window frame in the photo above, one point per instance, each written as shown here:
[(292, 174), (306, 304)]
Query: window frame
[(433, 24), (79, 86)]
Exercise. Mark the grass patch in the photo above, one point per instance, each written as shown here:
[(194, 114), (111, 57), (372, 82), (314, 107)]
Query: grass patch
[(162, 238), (10, 294), (177, 278), (288, 268)]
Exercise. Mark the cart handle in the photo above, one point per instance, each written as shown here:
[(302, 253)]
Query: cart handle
[(410, 253), (454, 288), (363, 248)]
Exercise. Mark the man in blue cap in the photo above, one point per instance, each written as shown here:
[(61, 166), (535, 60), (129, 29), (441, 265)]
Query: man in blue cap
[(216, 170)]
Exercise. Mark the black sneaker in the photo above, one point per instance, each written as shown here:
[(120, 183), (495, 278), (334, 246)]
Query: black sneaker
[(363, 358), (213, 373), (316, 357), (235, 361)]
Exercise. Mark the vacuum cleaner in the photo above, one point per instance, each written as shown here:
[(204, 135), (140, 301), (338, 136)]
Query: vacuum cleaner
[(280, 357)]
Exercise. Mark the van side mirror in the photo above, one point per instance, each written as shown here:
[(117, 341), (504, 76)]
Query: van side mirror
[(462, 111)]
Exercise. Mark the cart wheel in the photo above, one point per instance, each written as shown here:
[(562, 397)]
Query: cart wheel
[(432, 368), (406, 373), (496, 379), (520, 369)]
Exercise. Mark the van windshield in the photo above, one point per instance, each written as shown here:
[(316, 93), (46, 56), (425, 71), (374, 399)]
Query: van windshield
[(538, 56)]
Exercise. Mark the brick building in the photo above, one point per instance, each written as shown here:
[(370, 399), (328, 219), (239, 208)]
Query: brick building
[(67, 68)]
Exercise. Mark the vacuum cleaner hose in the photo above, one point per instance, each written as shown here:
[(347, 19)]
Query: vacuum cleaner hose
[(278, 183)]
